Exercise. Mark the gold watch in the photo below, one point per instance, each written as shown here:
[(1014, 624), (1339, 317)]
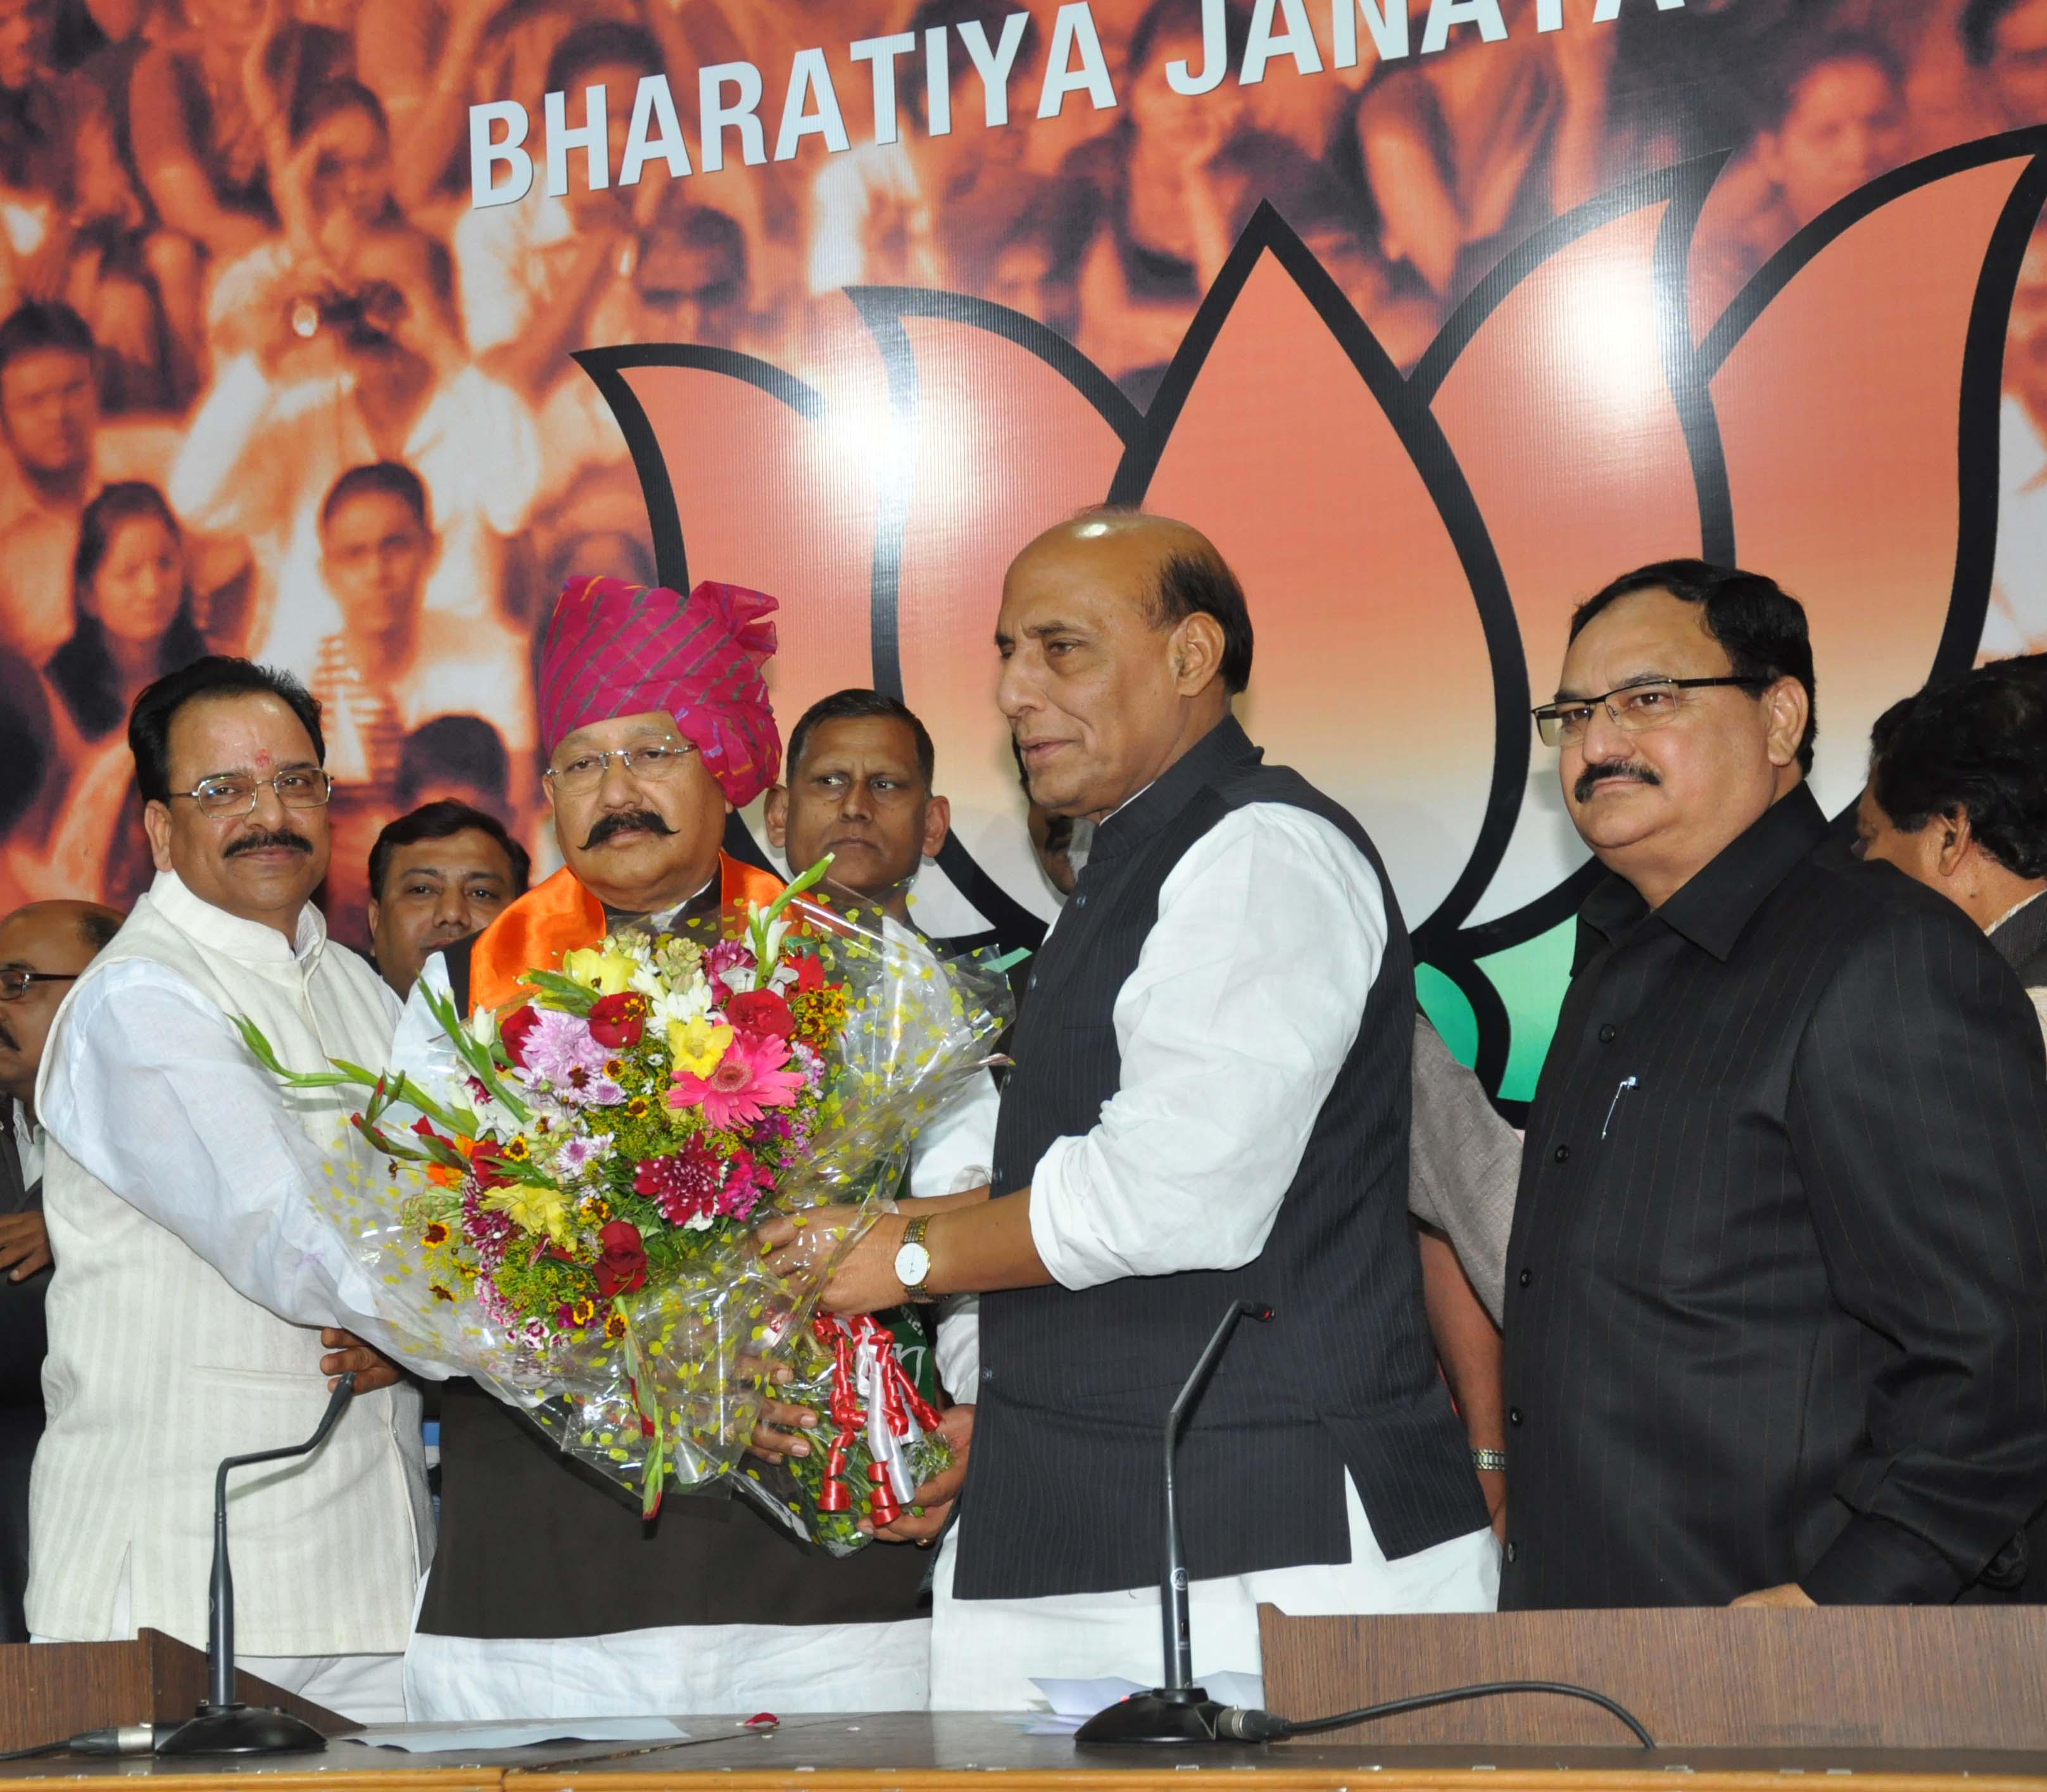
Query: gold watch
[(913, 1262)]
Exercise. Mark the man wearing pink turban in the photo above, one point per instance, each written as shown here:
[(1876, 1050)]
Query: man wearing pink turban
[(548, 1596)]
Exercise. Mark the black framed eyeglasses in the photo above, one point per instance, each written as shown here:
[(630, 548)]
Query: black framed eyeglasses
[(223, 797), (15, 981), (1635, 708)]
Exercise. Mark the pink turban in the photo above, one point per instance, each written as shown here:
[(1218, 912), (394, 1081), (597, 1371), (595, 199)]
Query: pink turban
[(615, 648)]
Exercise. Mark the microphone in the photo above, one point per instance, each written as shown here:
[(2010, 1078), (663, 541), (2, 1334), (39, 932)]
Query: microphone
[(224, 1725), (1179, 1711)]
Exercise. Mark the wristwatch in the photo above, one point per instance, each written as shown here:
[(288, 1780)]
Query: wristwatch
[(1486, 1461), (913, 1262)]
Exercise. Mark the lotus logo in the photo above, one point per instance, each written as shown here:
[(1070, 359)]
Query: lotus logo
[(1412, 544)]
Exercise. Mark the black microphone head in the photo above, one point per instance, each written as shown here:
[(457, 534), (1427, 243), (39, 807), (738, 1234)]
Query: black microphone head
[(1254, 1310)]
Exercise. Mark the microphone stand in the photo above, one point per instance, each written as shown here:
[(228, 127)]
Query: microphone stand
[(224, 1725), (1179, 1711)]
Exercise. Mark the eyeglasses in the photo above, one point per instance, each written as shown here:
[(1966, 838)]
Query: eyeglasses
[(661, 759), (14, 982), (222, 797), (1635, 708)]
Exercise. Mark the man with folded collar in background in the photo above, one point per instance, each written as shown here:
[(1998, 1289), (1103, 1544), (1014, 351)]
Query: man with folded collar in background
[(859, 785)]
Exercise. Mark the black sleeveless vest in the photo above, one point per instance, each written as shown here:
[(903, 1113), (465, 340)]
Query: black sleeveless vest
[(1063, 1490)]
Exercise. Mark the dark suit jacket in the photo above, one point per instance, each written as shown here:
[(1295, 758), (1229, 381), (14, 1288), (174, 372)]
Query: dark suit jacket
[(23, 1341), (1774, 1300)]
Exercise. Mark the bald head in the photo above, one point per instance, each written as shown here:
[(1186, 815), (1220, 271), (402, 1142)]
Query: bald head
[(1168, 568), (1123, 638), (52, 942), (93, 924)]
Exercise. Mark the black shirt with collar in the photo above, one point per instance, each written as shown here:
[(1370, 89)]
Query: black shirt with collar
[(1774, 1299)]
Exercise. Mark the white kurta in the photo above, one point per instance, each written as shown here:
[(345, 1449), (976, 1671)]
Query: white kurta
[(190, 1273), (711, 1668), (1245, 1001)]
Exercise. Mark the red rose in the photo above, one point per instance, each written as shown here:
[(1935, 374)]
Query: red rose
[(623, 1266), (616, 1021), (483, 1161), (763, 1012), (512, 1030)]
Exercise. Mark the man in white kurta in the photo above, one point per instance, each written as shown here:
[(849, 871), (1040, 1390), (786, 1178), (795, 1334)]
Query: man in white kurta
[(192, 1275), (1210, 1103)]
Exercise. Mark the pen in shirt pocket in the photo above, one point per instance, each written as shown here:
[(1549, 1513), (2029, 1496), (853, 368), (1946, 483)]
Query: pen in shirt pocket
[(1619, 1089)]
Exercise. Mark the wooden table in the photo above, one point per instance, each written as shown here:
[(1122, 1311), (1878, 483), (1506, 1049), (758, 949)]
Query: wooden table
[(920, 1751)]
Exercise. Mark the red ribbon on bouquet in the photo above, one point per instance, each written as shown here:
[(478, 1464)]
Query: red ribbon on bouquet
[(900, 1402)]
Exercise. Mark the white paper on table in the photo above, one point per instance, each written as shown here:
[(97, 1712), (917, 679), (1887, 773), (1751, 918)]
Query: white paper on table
[(1073, 1701), (443, 1739)]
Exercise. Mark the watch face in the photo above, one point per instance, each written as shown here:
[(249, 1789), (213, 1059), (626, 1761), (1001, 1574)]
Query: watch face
[(913, 1263)]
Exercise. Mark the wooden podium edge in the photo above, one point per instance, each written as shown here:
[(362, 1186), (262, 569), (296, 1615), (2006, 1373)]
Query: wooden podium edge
[(52, 1690), (178, 1685), (1953, 1679)]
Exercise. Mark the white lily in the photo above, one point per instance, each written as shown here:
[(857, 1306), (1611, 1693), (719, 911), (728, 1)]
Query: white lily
[(691, 1001)]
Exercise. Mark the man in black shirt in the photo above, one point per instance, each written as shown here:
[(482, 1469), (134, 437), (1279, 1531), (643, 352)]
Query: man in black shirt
[(1773, 1329)]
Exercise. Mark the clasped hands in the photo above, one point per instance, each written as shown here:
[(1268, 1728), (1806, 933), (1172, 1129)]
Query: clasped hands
[(863, 1281), (797, 1247)]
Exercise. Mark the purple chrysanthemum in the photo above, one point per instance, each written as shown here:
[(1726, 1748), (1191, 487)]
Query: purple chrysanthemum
[(579, 1151), (559, 1051)]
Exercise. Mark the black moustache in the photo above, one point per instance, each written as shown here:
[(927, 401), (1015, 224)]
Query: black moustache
[(1626, 769), (268, 841), (642, 820)]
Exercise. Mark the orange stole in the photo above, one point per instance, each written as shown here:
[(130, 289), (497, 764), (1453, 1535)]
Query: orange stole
[(557, 915)]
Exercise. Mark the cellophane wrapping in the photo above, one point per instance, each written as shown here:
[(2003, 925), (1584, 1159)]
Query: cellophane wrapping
[(653, 1372)]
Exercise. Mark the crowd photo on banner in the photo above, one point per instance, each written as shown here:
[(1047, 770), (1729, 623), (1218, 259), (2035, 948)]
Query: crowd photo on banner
[(363, 365), (270, 384)]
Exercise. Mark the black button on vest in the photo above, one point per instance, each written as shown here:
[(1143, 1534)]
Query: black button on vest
[(1063, 1494)]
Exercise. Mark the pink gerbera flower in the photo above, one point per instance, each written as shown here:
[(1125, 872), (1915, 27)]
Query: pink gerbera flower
[(748, 1080)]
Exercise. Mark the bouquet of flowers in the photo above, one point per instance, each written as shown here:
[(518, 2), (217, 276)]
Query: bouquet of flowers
[(566, 1215)]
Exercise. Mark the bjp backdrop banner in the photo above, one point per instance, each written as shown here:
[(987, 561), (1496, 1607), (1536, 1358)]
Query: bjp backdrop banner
[(341, 332)]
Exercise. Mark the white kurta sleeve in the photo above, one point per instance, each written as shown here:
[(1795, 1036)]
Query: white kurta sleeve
[(419, 1047), (1244, 1002), (152, 1091), (954, 1154)]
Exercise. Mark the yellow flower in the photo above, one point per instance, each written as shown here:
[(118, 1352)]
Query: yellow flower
[(518, 1150), (532, 1210), (614, 1327), (609, 974), (638, 1108), (582, 1311), (440, 1291), (435, 1234), (697, 1045), (594, 1208)]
